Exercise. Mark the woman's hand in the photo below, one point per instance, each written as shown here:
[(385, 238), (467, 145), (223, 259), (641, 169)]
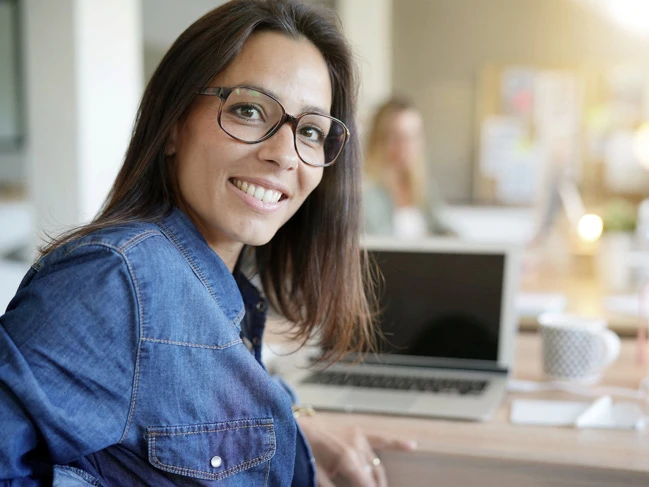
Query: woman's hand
[(346, 457)]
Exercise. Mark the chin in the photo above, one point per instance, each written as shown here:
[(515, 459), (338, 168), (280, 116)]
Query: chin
[(257, 242), (257, 239)]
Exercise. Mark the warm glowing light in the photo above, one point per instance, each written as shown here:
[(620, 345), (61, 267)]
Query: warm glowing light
[(590, 227), (641, 145), (633, 15)]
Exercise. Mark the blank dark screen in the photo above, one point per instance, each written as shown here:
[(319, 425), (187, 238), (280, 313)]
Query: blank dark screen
[(442, 305)]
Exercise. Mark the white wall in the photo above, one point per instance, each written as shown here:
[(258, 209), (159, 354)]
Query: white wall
[(84, 82), (108, 93), (368, 26), (51, 110)]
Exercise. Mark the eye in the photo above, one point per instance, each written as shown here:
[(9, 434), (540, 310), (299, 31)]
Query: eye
[(247, 112), (311, 134)]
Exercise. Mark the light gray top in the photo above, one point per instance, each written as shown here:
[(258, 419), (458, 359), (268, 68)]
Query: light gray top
[(379, 210)]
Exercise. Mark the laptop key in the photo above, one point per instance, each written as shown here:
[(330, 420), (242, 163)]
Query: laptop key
[(376, 381)]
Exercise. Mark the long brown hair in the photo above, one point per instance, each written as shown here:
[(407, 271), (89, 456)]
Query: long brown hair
[(375, 154), (312, 270)]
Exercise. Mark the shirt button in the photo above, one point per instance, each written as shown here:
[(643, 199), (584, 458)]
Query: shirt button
[(216, 461), (261, 306)]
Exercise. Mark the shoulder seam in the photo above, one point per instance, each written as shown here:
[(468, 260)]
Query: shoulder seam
[(126, 246), (135, 289), (140, 327)]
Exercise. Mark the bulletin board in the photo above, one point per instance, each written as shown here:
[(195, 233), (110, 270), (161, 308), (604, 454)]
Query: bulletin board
[(528, 119), (536, 124)]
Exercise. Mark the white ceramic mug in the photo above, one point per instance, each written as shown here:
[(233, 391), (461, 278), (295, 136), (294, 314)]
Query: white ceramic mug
[(576, 348)]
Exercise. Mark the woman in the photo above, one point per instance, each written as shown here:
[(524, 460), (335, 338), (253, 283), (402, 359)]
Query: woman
[(122, 355), (399, 199)]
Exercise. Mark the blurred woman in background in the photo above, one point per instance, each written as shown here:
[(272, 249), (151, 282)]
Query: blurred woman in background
[(399, 197)]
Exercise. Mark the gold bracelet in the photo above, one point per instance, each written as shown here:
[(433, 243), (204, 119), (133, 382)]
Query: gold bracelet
[(303, 411)]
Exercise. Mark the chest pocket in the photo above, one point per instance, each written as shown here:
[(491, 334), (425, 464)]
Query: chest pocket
[(211, 451)]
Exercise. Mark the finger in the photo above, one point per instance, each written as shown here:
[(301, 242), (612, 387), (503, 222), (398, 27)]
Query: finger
[(372, 463), (383, 443), (322, 477), (354, 470), (378, 471)]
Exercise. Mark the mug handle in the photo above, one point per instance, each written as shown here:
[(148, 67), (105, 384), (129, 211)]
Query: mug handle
[(612, 345)]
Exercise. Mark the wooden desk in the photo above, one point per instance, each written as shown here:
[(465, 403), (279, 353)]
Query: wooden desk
[(497, 453)]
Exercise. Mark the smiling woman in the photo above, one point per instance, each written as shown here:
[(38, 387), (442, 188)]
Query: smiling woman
[(131, 352), (209, 161)]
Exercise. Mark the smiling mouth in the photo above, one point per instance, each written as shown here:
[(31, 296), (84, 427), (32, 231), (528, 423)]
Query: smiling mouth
[(258, 192)]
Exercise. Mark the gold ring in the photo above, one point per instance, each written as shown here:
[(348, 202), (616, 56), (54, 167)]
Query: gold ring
[(376, 461)]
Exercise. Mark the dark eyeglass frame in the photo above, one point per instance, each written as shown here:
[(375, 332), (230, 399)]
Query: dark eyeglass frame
[(223, 93)]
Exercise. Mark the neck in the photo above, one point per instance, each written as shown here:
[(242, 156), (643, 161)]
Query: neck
[(229, 254), (227, 249)]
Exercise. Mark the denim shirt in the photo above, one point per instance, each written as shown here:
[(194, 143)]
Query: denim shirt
[(123, 362)]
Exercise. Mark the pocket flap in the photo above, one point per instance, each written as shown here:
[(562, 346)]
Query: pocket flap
[(211, 451)]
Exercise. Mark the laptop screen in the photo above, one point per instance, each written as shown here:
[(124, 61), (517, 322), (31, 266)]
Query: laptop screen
[(440, 304)]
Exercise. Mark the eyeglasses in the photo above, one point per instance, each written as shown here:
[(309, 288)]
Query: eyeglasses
[(252, 116)]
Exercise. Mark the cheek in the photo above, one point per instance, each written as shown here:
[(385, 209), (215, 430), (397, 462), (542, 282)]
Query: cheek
[(195, 179), (312, 179), (202, 164), (309, 179)]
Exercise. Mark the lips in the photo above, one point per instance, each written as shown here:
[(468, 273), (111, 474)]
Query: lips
[(257, 191)]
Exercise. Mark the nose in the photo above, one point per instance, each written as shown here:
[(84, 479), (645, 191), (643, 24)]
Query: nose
[(280, 148)]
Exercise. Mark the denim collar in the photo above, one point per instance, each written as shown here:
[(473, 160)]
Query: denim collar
[(206, 264)]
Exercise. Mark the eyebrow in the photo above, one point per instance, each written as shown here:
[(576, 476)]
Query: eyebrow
[(307, 109)]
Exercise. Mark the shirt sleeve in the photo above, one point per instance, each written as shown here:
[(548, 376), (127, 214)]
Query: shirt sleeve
[(68, 344)]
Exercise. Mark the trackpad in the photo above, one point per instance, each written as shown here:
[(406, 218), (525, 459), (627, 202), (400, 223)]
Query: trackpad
[(371, 400)]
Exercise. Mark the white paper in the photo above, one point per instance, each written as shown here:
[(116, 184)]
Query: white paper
[(500, 138), (623, 173), (516, 179), (621, 415), (557, 96), (546, 413), (517, 91)]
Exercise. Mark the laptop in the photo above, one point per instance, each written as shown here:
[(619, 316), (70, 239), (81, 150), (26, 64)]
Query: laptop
[(448, 317)]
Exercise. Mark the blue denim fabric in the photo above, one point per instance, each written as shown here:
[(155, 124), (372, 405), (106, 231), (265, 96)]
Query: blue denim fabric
[(252, 328), (122, 363)]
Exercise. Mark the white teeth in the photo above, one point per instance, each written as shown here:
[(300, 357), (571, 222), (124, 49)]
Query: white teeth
[(258, 192)]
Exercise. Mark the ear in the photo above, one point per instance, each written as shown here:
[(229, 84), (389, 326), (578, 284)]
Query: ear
[(170, 145)]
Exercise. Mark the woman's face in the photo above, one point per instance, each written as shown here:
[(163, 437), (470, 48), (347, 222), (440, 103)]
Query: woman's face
[(404, 139), (210, 163)]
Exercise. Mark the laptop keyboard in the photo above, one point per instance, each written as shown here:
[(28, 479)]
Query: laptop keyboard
[(433, 385)]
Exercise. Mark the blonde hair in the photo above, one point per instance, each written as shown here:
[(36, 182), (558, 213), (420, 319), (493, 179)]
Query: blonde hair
[(375, 155)]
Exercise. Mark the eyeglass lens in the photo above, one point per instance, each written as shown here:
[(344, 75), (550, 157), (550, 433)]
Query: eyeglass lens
[(250, 115)]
